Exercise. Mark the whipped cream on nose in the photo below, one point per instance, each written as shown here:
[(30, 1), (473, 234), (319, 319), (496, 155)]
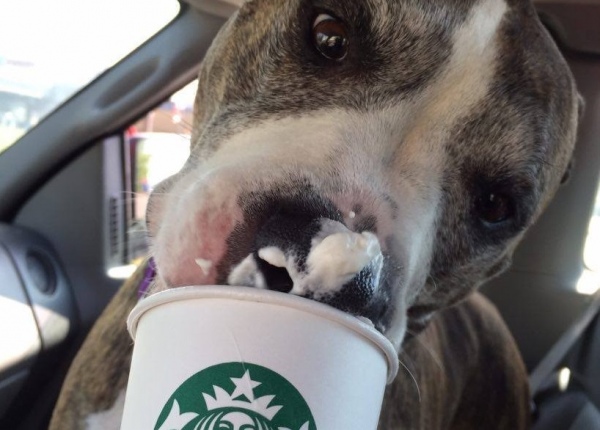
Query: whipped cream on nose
[(336, 257)]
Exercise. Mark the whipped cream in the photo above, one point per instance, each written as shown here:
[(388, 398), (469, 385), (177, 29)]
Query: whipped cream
[(337, 259), (336, 256), (246, 274), (205, 265)]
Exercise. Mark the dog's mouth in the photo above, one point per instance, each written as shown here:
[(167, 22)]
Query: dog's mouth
[(316, 258)]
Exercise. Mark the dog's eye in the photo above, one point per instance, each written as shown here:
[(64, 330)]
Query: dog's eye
[(330, 37), (494, 208)]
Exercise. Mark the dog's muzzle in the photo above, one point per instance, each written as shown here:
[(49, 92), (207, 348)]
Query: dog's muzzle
[(304, 248), (305, 237)]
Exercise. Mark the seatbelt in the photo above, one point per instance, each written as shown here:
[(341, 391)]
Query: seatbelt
[(564, 344)]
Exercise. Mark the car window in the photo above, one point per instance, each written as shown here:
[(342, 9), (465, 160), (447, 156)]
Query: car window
[(36, 77), (590, 280), (156, 147)]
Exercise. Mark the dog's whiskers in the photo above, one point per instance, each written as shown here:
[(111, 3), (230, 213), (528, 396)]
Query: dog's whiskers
[(413, 378), (427, 348)]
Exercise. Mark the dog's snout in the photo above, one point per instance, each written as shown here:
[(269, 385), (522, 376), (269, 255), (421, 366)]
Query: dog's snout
[(298, 250)]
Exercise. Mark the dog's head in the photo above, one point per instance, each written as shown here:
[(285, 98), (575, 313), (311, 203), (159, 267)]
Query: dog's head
[(422, 137)]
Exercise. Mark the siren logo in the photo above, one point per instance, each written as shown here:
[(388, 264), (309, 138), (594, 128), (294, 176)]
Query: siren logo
[(236, 396)]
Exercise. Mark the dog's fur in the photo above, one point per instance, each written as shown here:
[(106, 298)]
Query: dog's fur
[(438, 104)]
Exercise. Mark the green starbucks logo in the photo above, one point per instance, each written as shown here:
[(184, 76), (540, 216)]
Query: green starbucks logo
[(236, 396)]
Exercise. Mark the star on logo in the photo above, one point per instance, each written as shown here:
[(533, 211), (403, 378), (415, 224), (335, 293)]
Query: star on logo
[(244, 386)]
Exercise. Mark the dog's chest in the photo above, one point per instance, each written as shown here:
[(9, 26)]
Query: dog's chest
[(109, 419)]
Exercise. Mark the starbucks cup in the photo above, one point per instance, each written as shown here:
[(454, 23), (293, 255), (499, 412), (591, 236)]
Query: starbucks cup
[(212, 358)]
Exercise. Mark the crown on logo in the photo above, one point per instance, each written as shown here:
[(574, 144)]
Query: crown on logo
[(243, 386)]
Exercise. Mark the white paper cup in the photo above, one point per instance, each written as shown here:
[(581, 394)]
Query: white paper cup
[(212, 358)]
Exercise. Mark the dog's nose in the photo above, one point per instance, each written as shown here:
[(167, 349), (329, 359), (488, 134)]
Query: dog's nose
[(282, 248), (319, 258)]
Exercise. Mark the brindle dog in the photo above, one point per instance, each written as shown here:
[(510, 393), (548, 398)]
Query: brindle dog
[(442, 126)]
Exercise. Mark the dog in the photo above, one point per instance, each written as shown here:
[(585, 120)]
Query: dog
[(432, 133)]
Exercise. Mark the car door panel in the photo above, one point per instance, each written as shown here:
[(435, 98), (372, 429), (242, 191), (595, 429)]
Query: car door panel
[(37, 310)]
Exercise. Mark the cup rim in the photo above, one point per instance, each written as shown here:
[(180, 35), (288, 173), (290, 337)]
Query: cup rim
[(247, 294)]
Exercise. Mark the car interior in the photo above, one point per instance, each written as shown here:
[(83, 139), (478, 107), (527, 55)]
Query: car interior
[(71, 227)]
